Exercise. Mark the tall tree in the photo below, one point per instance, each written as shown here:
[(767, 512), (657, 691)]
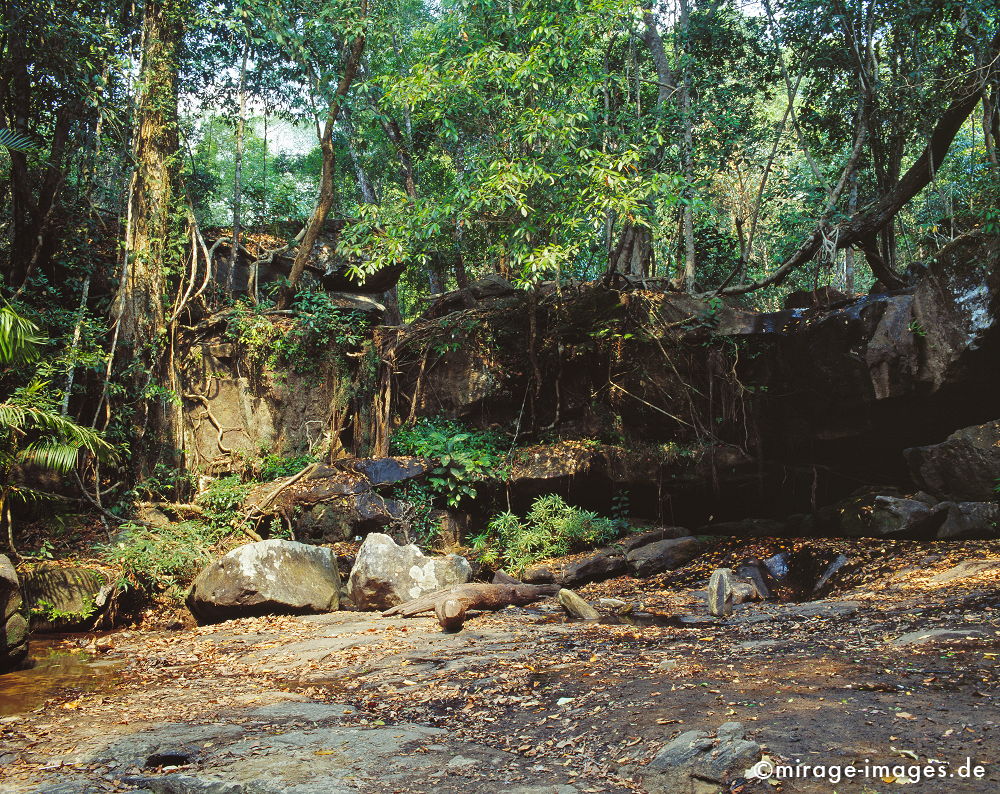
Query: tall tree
[(151, 245)]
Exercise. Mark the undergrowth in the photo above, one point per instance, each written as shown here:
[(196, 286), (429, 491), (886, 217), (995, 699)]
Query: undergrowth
[(551, 528)]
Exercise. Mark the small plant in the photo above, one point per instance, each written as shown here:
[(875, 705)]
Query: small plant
[(273, 467), (222, 500), (917, 329), (50, 613), (463, 456), (551, 528)]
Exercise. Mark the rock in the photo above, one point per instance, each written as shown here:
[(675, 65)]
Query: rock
[(964, 569), (965, 520), (931, 636), (825, 580), (964, 466), (753, 572), (747, 528), (686, 764), (635, 540), (664, 555), (612, 603), (720, 593), (64, 597), (576, 606), (337, 502), (13, 626), (892, 516), (269, 577), (777, 566), (595, 566), (386, 574)]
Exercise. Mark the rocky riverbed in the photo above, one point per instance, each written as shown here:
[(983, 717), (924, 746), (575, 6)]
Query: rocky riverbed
[(900, 668)]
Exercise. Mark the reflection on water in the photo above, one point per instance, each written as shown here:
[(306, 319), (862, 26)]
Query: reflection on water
[(53, 666)]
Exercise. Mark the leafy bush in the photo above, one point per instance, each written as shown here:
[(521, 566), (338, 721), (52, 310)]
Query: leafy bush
[(552, 528), (158, 560), (273, 467), (222, 500), (463, 456)]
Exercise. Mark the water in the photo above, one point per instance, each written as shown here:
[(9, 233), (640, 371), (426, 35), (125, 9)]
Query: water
[(54, 666)]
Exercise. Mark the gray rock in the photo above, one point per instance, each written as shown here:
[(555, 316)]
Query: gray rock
[(720, 593), (686, 764), (826, 579), (386, 574), (64, 597), (269, 577), (664, 555), (13, 626), (753, 572), (963, 466), (970, 520), (576, 606), (634, 541), (893, 516), (596, 566), (930, 636)]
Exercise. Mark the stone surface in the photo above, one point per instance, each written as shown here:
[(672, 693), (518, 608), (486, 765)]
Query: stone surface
[(964, 569), (13, 626), (272, 576), (965, 520), (930, 636), (685, 764), (386, 574), (720, 593), (576, 606), (965, 466), (664, 555), (64, 597), (336, 502), (594, 566)]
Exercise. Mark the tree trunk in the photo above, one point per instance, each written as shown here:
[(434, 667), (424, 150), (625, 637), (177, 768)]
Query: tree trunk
[(152, 214), (238, 167), (326, 186), (455, 601), (687, 157)]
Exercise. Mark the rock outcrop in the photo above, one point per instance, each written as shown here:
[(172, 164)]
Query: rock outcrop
[(386, 574), (964, 466), (338, 501), (683, 765), (13, 626), (61, 597), (269, 577)]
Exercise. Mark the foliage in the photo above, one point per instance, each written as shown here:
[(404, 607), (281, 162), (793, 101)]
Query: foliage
[(551, 528), (463, 456), (318, 329), (160, 560), (273, 467), (222, 500), (51, 613)]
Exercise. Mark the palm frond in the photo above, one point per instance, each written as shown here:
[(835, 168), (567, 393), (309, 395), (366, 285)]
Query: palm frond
[(19, 340), (60, 458), (16, 141), (12, 416)]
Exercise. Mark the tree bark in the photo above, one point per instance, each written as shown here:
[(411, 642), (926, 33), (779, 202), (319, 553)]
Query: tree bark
[(238, 166), (152, 210)]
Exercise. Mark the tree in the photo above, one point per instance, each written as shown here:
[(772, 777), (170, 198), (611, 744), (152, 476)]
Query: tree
[(152, 241)]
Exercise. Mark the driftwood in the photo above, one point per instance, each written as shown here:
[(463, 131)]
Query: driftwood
[(451, 605)]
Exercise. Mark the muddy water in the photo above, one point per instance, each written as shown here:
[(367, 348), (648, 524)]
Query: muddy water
[(55, 667)]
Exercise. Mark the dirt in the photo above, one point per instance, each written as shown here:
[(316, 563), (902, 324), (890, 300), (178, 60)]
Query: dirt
[(523, 701)]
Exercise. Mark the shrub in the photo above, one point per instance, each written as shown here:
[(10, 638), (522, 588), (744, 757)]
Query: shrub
[(463, 456), (552, 528), (162, 559)]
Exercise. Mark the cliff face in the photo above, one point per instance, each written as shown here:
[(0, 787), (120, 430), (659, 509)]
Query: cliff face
[(697, 410)]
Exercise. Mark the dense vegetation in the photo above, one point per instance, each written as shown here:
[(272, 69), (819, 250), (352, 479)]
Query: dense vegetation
[(171, 161)]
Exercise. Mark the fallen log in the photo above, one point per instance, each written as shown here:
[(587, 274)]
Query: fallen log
[(450, 605)]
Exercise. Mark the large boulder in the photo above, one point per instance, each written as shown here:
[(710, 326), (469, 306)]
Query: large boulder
[(966, 465), (336, 502), (969, 520), (61, 597), (269, 577), (13, 626), (664, 555), (386, 574)]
